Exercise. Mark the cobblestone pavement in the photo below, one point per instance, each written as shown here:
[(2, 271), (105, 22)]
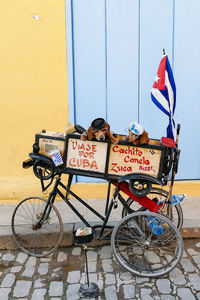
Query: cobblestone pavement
[(59, 277)]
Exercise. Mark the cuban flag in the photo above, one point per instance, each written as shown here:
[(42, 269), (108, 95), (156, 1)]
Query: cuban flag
[(163, 93)]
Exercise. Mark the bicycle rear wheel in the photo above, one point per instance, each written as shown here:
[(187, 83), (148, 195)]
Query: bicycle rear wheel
[(158, 195), (144, 251), (36, 240)]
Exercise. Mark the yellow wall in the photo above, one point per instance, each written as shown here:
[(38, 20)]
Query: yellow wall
[(33, 92), (33, 84)]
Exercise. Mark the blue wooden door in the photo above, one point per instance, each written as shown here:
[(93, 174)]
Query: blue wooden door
[(114, 48)]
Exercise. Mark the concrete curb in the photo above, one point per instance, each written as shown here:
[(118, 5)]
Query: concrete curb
[(7, 241), (188, 233)]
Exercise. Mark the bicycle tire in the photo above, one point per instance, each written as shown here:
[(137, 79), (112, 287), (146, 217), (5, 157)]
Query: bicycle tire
[(38, 242), (140, 251)]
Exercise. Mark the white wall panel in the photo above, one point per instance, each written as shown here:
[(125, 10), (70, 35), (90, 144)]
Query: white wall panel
[(89, 59), (122, 63), (186, 72), (156, 33), (114, 50)]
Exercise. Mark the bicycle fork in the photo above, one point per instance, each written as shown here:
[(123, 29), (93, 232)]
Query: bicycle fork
[(45, 214)]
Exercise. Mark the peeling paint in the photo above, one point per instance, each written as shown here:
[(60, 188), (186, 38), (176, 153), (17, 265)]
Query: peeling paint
[(36, 18)]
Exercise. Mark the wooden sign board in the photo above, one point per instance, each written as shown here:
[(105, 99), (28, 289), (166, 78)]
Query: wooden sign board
[(102, 159), (127, 159), (86, 155)]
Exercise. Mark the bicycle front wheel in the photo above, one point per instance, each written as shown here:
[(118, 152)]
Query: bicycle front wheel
[(144, 250), (33, 237)]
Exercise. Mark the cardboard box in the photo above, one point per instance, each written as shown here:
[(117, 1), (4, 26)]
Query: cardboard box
[(164, 141), (49, 141)]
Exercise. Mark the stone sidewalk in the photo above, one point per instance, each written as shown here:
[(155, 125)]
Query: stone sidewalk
[(58, 277)]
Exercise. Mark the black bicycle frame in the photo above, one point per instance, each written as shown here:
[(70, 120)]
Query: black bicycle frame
[(56, 191)]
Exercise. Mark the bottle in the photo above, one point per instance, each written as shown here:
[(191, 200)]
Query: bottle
[(177, 198), (155, 227)]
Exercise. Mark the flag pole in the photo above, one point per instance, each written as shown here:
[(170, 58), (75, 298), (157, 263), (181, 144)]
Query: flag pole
[(163, 92), (164, 53)]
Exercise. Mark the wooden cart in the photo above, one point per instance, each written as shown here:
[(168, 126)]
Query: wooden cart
[(133, 170)]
